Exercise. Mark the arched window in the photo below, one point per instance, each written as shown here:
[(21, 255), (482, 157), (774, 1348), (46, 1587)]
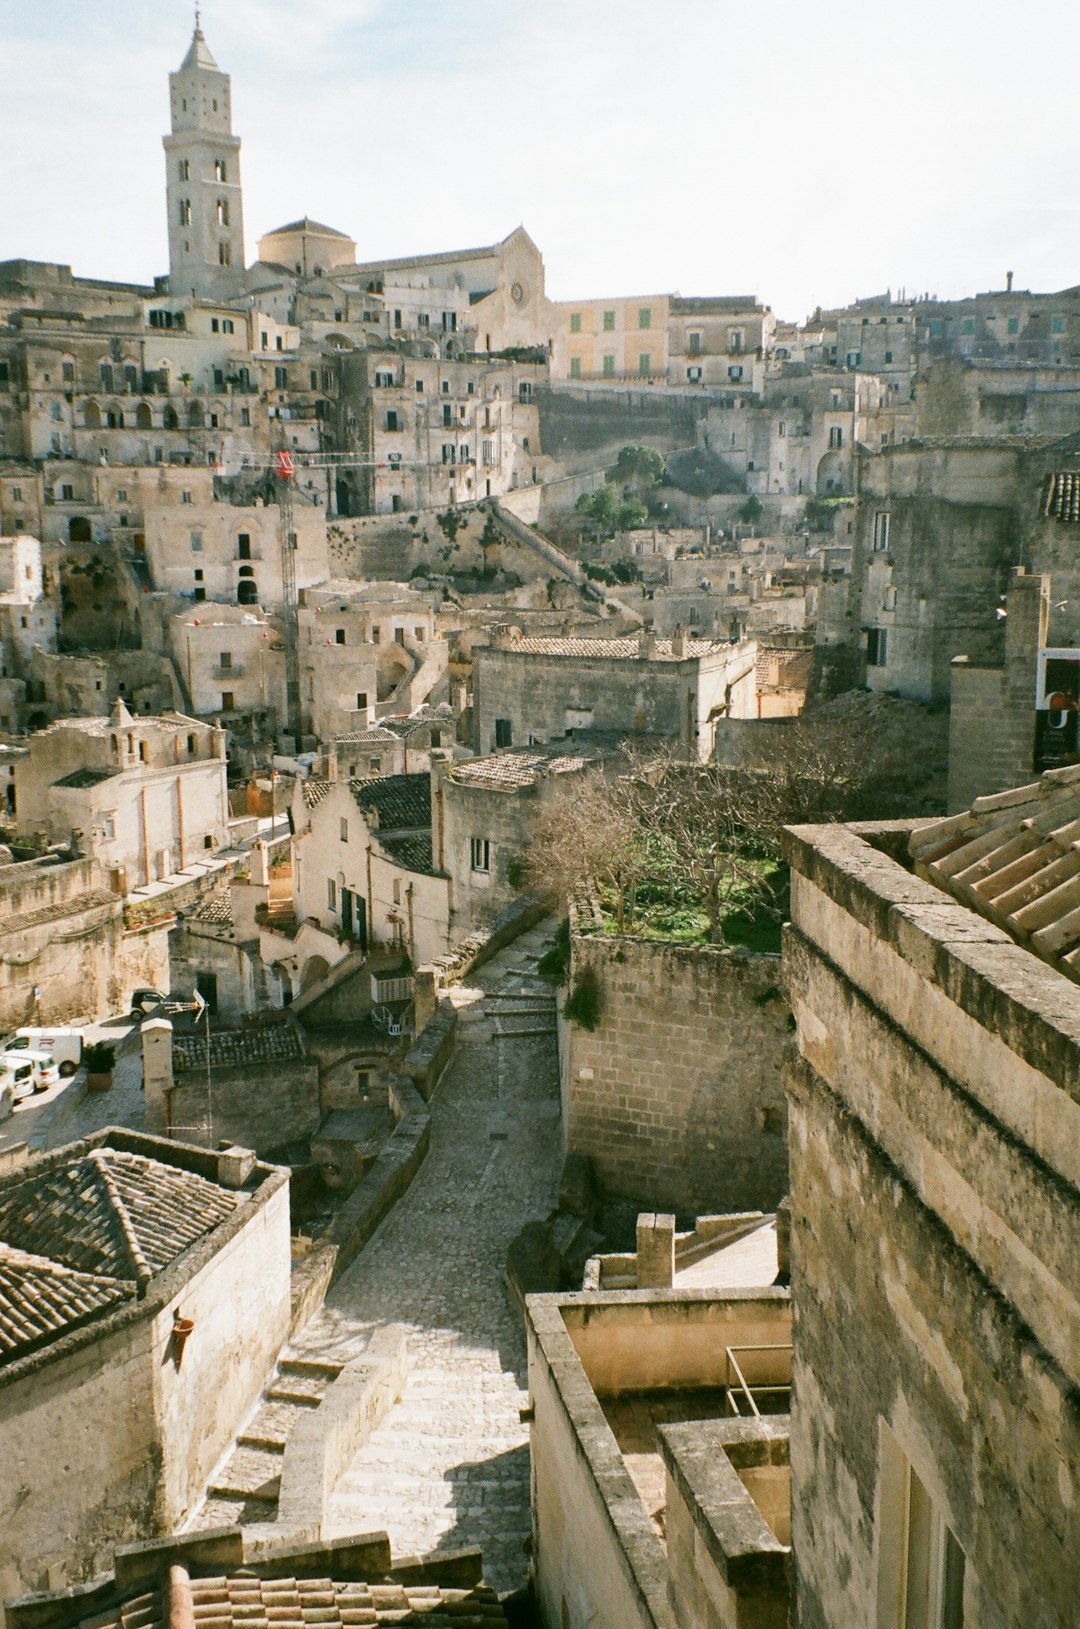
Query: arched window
[(246, 571), (185, 212), (222, 212), (144, 419), (246, 592), (195, 415), (184, 169), (170, 420), (92, 416), (114, 418)]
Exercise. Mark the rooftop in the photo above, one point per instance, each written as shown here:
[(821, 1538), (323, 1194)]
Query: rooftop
[(395, 803), (511, 771), (1015, 858), (629, 649), (233, 1048), (81, 1231), (306, 224)]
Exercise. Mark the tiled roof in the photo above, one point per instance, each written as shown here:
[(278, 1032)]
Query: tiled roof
[(233, 1048), (217, 909), (614, 649), (373, 737), (411, 851), (1015, 858), (1063, 497), (300, 1603), (42, 1299), (314, 791), (77, 1238), (510, 771), (398, 802), (94, 900)]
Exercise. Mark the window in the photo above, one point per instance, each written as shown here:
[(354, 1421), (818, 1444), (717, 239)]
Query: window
[(968, 325), (67, 493), (184, 169), (339, 636), (575, 367), (694, 376), (331, 894), (525, 394), (1057, 325), (449, 453), (479, 854), (644, 362), (397, 319), (392, 420), (184, 212), (575, 322), (735, 372), (488, 453), (219, 167), (504, 733), (921, 1581), (222, 212), (227, 325), (344, 833), (279, 342), (888, 357), (609, 363), (191, 745), (735, 340), (447, 415), (609, 322), (1014, 325), (881, 531), (245, 415), (693, 344), (937, 327), (383, 377), (228, 699), (281, 378), (143, 754), (196, 542), (854, 359), (836, 436), (243, 546), (419, 387), (877, 647), (361, 701), (644, 316), (225, 660), (67, 372)]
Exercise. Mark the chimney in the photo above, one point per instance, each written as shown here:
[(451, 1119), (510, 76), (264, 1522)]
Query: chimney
[(647, 644), (1008, 282), (157, 1038), (679, 644), (332, 762)]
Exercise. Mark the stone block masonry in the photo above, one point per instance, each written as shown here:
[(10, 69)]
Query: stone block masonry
[(676, 1094)]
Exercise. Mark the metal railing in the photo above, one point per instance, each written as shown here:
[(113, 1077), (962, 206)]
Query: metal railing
[(748, 1391), (394, 987)]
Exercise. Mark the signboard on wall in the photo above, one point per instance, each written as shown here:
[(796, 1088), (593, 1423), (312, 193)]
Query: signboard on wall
[(1057, 709)]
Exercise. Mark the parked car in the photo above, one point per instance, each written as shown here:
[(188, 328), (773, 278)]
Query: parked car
[(45, 1070), (16, 1077), (63, 1043), (156, 1004)]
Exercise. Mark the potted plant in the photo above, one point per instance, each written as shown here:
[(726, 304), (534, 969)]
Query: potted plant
[(99, 1058)]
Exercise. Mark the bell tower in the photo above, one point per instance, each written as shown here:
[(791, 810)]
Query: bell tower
[(202, 159)]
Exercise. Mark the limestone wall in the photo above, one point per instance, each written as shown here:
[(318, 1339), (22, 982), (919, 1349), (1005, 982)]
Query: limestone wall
[(935, 1188), (676, 1094)]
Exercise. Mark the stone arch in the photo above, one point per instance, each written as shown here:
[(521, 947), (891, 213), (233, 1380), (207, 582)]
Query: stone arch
[(92, 416), (170, 418), (79, 530), (830, 475), (247, 592), (144, 419), (195, 415), (314, 969)]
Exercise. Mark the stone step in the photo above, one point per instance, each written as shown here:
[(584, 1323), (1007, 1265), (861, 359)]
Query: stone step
[(298, 1363), (271, 1426), (221, 1511), (250, 1472), (518, 1032)]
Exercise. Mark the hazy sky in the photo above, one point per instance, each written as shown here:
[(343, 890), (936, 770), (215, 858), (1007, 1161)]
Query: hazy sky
[(803, 152)]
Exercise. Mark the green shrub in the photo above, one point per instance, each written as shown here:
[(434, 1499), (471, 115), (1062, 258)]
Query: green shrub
[(99, 1057), (582, 1005)]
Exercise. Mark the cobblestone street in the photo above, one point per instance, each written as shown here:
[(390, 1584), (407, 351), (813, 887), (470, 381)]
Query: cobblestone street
[(449, 1466)]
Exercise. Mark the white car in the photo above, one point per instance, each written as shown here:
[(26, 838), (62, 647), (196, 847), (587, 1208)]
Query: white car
[(61, 1042), (16, 1076), (44, 1067)]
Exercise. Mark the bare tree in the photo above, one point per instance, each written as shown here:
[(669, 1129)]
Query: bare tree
[(588, 831)]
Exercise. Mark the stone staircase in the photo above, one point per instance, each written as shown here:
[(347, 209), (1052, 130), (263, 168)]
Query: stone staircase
[(526, 1008), (245, 1490)]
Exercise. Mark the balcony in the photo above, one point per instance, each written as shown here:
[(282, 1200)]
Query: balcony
[(234, 671)]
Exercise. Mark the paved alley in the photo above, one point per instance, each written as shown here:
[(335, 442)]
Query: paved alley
[(449, 1466)]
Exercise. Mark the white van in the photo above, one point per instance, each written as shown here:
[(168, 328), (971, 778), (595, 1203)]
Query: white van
[(64, 1044), (46, 1071)]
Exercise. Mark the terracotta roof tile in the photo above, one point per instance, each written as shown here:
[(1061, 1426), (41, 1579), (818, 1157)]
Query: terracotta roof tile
[(314, 791), (233, 1048), (41, 1299), (399, 802), (1015, 858), (614, 649)]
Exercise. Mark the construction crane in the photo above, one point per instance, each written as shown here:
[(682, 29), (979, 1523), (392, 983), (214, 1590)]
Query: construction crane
[(284, 471)]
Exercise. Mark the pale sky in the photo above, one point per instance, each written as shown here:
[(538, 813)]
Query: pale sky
[(807, 153)]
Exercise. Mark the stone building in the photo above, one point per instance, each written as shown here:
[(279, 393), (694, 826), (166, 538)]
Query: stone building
[(203, 195), (483, 813), (145, 1295), (231, 552), (363, 870), (147, 795), (529, 691), (232, 663), (616, 339), (365, 654), (934, 1191), (719, 340)]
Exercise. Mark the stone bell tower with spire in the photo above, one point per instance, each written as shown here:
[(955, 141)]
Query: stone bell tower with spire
[(202, 158)]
